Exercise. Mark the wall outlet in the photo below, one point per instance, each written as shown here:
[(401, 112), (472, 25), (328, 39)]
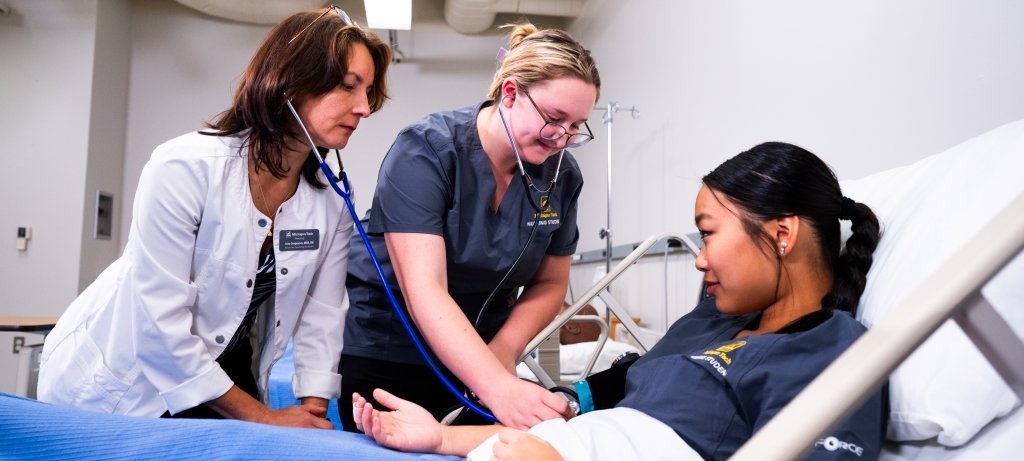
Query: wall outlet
[(19, 342), (24, 235)]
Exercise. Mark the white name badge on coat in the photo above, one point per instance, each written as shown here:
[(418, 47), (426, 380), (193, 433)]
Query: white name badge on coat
[(298, 240)]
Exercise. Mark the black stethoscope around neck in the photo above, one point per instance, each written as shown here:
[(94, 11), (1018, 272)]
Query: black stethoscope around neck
[(529, 190), (527, 181)]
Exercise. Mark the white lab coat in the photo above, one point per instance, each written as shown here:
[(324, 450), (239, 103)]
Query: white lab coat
[(142, 339)]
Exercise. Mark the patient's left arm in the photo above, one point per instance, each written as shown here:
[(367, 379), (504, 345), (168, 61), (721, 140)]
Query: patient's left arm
[(513, 445), (409, 427)]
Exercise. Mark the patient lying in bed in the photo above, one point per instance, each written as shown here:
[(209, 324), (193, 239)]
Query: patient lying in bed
[(782, 311)]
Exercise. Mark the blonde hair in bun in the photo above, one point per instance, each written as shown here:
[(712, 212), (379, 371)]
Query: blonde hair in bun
[(536, 55)]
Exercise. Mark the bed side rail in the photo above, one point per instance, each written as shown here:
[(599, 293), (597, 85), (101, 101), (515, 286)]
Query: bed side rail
[(597, 290), (954, 290)]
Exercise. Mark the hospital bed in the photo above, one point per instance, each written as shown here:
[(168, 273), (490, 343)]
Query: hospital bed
[(950, 222)]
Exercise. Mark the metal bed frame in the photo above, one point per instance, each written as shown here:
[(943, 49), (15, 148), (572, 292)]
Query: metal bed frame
[(599, 290)]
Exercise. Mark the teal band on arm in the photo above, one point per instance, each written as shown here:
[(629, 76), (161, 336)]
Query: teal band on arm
[(583, 392)]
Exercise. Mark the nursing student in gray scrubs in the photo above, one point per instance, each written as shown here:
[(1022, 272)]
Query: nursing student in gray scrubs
[(451, 216)]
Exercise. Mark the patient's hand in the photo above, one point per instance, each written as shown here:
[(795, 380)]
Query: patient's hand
[(409, 427), (513, 445)]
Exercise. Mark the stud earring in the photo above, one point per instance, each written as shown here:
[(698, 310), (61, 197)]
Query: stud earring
[(782, 248)]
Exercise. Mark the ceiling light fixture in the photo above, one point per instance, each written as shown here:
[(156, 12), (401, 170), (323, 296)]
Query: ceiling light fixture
[(388, 14)]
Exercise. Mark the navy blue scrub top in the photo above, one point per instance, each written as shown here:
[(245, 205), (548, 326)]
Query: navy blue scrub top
[(716, 391), (436, 179)]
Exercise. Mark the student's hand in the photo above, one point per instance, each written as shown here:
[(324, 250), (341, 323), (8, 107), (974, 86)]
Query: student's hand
[(409, 427), (521, 404), (306, 415), (514, 445)]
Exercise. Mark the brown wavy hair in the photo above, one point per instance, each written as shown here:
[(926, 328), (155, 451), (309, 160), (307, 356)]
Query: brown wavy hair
[(313, 64)]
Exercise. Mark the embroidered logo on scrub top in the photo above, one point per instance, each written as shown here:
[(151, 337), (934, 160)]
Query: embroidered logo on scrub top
[(831, 443), (547, 216), (718, 357)]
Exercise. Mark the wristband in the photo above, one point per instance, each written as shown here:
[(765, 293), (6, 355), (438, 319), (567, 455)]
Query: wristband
[(583, 392)]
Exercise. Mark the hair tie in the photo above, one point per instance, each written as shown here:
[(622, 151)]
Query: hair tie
[(502, 52), (847, 209)]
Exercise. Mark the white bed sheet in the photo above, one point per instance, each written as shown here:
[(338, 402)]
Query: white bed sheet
[(616, 434)]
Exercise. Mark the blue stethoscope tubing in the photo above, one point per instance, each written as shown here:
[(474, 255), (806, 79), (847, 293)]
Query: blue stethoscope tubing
[(346, 195)]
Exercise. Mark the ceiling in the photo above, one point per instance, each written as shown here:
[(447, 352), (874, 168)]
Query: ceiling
[(464, 16)]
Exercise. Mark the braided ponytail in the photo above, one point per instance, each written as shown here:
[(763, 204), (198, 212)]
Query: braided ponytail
[(851, 268)]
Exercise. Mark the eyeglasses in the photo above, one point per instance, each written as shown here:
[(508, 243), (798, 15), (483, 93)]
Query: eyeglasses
[(341, 14), (553, 131)]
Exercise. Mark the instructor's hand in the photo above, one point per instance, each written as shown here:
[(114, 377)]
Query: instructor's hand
[(306, 415), (236, 404)]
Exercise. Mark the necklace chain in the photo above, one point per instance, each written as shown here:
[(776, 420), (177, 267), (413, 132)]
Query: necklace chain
[(263, 198)]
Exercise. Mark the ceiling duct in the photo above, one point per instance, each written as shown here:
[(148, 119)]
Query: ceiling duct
[(254, 11), (475, 16)]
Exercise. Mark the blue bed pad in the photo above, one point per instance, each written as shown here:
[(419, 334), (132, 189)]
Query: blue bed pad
[(280, 387), (34, 430)]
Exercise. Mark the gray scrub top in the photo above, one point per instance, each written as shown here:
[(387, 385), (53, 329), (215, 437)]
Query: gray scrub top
[(436, 179), (716, 391)]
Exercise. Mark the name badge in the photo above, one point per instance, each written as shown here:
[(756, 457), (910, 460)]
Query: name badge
[(298, 240)]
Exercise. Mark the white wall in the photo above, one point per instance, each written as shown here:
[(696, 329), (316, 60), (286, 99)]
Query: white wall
[(185, 66), (107, 123), (866, 84), (62, 122), (47, 50)]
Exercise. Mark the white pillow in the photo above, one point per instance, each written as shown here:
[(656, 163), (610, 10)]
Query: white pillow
[(574, 357), (945, 389)]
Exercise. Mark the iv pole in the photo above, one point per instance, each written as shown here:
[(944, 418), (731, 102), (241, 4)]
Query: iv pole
[(608, 119)]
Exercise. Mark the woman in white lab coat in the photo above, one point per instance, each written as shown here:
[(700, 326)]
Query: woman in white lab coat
[(236, 245)]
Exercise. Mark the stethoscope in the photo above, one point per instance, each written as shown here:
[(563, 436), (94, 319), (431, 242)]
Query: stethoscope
[(527, 182), (529, 188), (345, 191)]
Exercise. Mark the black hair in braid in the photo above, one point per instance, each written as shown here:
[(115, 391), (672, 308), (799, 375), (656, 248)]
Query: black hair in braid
[(850, 274), (773, 180)]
